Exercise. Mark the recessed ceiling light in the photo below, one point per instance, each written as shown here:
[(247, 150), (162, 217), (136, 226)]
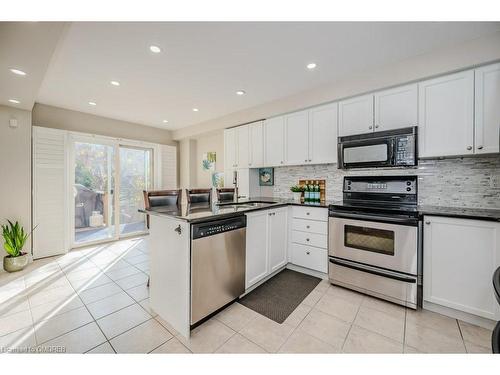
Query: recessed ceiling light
[(93, 103), (240, 92), (165, 121), (195, 109), (18, 72), (311, 66), (115, 83), (15, 101), (155, 49)]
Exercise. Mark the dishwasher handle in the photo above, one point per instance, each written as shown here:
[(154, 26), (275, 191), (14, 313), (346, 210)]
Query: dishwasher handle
[(212, 228)]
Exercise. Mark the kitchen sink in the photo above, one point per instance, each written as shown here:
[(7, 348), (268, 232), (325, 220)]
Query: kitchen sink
[(247, 204)]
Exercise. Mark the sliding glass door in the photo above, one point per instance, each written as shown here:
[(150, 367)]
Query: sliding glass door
[(136, 166), (107, 189), (93, 192)]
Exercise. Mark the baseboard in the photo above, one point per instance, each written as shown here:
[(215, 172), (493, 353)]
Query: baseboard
[(307, 271), (457, 314)]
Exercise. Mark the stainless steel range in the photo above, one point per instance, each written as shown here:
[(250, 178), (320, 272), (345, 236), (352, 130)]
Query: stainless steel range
[(374, 238)]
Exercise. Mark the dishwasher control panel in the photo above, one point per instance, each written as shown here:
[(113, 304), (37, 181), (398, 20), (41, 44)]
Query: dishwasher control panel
[(212, 228)]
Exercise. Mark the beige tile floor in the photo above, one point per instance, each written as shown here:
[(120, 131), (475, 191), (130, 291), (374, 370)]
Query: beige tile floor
[(95, 300)]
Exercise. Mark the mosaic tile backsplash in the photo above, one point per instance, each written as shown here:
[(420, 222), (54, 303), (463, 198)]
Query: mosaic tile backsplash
[(458, 182)]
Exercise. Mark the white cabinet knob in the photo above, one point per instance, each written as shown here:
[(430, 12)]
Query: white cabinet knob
[(370, 127), (376, 126), (479, 147), (427, 222), (469, 147), (308, 252)]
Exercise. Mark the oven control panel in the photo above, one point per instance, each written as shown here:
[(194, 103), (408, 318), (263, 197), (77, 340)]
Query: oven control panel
[(383, 185)]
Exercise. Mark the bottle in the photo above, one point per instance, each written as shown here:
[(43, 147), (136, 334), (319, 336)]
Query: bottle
[(306, 192), (318, 192)]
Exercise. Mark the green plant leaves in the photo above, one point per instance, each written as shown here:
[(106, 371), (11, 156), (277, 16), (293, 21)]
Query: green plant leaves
[(15, 237)]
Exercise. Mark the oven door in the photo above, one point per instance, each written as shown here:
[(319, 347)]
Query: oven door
[(366, 153), (379, 244)]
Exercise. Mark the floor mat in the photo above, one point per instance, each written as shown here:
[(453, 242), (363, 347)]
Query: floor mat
[(279, 296)]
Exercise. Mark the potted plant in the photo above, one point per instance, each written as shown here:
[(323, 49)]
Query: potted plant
[(297, 192), (15, 237)]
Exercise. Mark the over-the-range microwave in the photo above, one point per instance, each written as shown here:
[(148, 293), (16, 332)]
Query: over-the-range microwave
[(390, 148)]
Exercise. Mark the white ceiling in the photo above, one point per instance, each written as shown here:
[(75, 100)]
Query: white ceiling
[(27, 46), (203, 64)]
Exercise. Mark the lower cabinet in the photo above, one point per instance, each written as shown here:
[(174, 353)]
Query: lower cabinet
[(266, 249), (460, 256)]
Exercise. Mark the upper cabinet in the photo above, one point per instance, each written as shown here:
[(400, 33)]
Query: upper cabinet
[(256, 131), (487, 110), (396, 108), (323, 134), (274, 141), (356, 115), (243, 146), (296, 138), (230, 148), (446, 115)]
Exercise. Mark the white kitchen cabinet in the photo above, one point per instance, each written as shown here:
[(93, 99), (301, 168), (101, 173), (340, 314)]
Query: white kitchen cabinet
[(460, 256), (256, 131), (487, 109), (277, 239), (257, 256), (446, 115), (274, 142), (356, 115), (230, 149), (396, 108), (323, 131), (243, 146), (266, 244), (297, 138)]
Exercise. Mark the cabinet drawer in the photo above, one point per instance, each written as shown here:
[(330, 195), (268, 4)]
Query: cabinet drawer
[(311, 239), (311, 226), (310, 257), (311, 213)]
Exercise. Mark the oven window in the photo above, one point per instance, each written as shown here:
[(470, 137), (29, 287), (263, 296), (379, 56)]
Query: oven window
[(369, 239)]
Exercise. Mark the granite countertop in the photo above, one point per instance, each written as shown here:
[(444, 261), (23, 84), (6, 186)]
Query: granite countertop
[(461, 212), (200, 212)]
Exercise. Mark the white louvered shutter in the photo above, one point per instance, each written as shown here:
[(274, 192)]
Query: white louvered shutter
[(49, 192), (168, 167)]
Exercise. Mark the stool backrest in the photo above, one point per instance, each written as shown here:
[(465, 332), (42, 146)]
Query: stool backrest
[(225, 194), (199, 196)]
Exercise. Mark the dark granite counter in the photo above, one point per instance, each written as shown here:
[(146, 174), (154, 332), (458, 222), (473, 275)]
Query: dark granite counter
[(461, 212), (196, 213)]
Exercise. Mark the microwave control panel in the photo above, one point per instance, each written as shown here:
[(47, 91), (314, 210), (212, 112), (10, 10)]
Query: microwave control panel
[(405, 150)]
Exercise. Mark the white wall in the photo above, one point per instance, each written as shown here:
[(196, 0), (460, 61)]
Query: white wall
[(15, 168), (65, 119)]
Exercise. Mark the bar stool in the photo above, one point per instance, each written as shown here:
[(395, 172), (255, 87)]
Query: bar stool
[(225, 194), (199, 196), (158, 198)]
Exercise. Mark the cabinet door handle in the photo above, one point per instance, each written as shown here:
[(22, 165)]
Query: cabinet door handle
[(479, 147), (282, 162), (469, 147), (178, 230), (370, 127), (307, 239), (308, 252), (427, 222), (307, 226), (308, 213), (376, 126), (305, 160)]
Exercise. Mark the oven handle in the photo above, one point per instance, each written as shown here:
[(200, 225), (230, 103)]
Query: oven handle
[(374, 272), (367, 217)]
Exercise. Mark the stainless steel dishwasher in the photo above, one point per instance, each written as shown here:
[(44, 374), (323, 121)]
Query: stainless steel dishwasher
[(217, 265)]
